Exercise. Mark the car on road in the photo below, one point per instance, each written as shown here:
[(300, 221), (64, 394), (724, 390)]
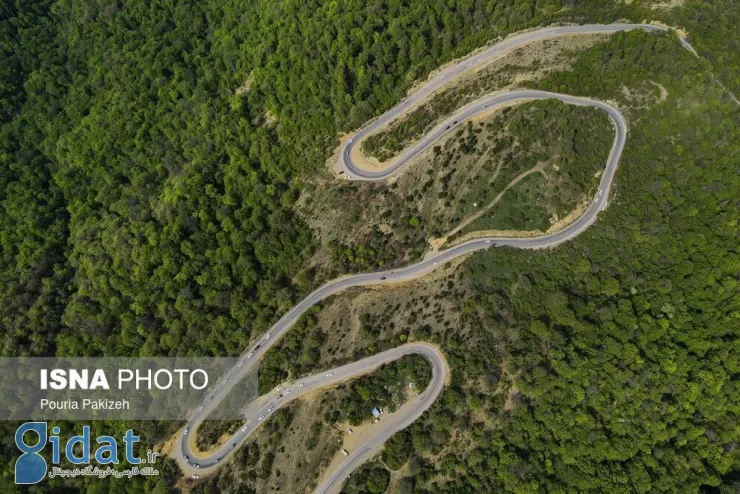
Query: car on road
[(244, 429), (300, 385), (196, 476), (382, 277), (186, 431), (261, 417), (196, 465), (329, 374), (249, 355), (436, 262), (187, 459), (488, 241), (267, 336), (233, 445), (218, 459), (200, 409), (271, 408)]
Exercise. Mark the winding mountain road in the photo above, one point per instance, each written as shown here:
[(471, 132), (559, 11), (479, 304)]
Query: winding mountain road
[(259, 411)]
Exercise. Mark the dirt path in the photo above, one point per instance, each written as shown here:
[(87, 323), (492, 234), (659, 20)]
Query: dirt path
[(436, 243)]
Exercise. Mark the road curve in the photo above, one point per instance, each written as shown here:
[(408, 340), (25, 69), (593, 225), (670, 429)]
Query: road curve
[(448, 75), (249, 361), (262, 408)]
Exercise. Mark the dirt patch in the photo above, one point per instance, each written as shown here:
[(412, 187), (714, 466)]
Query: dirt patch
[(511, 398), (270, 118), (246, 86), (666, 5)]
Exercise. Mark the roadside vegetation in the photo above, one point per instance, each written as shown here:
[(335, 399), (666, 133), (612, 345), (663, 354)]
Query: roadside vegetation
[(530, 62), (369, 225)]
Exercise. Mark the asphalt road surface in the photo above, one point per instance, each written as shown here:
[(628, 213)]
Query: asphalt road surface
[(260, 410)]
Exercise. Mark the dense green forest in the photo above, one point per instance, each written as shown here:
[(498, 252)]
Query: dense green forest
[(151, 155)]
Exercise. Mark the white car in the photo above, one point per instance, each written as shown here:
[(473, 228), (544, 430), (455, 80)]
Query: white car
[(436, 262), (329, 374), (249, 355), (300, 385), (261, 417), (196, 476), (488, 241), (271, 408), (267, 336), (279, 387), (287, 391), (186, 431)]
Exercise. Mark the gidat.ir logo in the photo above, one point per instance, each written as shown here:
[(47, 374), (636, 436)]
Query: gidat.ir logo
[(31, 467)]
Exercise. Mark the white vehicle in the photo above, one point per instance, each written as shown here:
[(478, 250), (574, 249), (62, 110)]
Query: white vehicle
[(187, 429), (436, 262), (279, 387), (287, 391), (244, 429), (271, 408), (196, 476), (249, 355), (345, 452), (488, 241), (329, 374), (261, 417), (200, 409), (197, 465), (267, 336), (187, 459), (350, 141), (300, 385), (241, 362)]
